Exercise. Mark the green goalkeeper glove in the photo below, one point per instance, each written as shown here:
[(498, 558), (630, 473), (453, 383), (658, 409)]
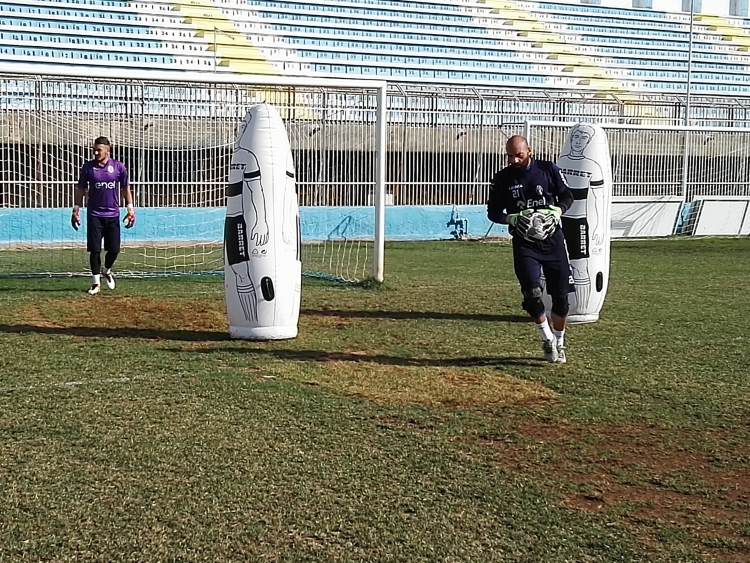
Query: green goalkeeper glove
[(554, 211), (513, 218)]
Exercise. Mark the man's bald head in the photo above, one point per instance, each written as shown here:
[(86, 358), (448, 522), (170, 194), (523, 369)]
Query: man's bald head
[(518, 151)]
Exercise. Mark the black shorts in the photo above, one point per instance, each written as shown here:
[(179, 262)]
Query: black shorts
[(98, 228), (529, 265), (236, 240), (576, 231)]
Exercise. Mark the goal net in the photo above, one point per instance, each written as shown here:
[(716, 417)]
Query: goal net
[(176, 140)]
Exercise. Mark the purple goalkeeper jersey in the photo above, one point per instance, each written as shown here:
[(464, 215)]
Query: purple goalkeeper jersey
[(103, 182)]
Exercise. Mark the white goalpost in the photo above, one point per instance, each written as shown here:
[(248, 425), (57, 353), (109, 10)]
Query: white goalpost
[(174, 132)]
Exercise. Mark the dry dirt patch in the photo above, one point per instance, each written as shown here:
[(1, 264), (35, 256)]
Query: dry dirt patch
[(660, 477), (135, 316)]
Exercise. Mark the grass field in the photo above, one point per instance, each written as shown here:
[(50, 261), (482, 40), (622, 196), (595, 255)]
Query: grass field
[(413, 422)]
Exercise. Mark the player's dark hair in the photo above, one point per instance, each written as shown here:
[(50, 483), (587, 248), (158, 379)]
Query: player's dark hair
[(102, 141)]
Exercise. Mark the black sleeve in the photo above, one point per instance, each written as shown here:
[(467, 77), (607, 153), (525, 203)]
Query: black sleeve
[(560, 188), (495, 205)]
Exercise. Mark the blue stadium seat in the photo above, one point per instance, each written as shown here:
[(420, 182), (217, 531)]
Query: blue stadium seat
[(546, 43)]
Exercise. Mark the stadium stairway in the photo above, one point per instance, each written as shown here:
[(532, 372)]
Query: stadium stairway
[(554, 44), (234, 49), (560, 51), (728, 30)]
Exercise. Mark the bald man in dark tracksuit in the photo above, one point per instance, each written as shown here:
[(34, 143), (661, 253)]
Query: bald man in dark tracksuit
[(529, 184)]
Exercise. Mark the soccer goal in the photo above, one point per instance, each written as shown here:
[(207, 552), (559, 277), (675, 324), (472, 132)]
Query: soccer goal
[(175, 136)]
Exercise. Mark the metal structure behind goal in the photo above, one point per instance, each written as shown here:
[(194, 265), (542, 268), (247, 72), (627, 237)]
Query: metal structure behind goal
[(355, 144)]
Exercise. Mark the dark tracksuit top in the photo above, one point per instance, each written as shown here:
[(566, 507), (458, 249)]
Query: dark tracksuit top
[(538, 186)]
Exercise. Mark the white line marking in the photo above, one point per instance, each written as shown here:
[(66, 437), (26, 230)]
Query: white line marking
[(71, 384)]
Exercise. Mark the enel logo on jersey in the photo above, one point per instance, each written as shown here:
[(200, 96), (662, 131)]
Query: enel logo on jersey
[(532, 203), (105, 185)]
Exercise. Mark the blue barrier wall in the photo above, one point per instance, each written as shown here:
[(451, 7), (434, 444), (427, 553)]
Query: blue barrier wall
[(39, 226)]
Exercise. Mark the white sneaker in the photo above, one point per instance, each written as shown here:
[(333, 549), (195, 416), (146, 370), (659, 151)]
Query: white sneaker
[(94, 289), (550, 351), (109, 279), (561, 359)]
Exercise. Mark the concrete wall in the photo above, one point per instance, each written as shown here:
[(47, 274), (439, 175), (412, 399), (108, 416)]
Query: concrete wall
[(171, 225), (631, 218)]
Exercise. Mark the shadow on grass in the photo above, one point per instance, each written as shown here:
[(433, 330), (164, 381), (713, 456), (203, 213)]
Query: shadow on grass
[(409, 315), (328, 356), (103, 332)]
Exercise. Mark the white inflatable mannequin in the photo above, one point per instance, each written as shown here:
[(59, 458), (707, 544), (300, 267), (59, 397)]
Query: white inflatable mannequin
[(585, 161), (262, 266)]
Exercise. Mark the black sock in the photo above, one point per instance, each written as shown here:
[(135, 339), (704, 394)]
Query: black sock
[(109, 260), (95, 258)]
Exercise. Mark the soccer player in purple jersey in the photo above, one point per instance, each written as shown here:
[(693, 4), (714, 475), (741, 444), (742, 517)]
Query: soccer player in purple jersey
[(104, 180), (530, 184)]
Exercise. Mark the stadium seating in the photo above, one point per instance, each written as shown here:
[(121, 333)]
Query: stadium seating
[(552, 45)]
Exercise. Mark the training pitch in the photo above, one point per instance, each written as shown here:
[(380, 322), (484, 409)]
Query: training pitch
[(410, 422)]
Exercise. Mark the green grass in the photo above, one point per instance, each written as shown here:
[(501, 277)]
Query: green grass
[(412, 421)]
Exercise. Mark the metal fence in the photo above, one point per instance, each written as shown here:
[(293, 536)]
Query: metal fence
[(663, 160), (176, 140), (443, 144)]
